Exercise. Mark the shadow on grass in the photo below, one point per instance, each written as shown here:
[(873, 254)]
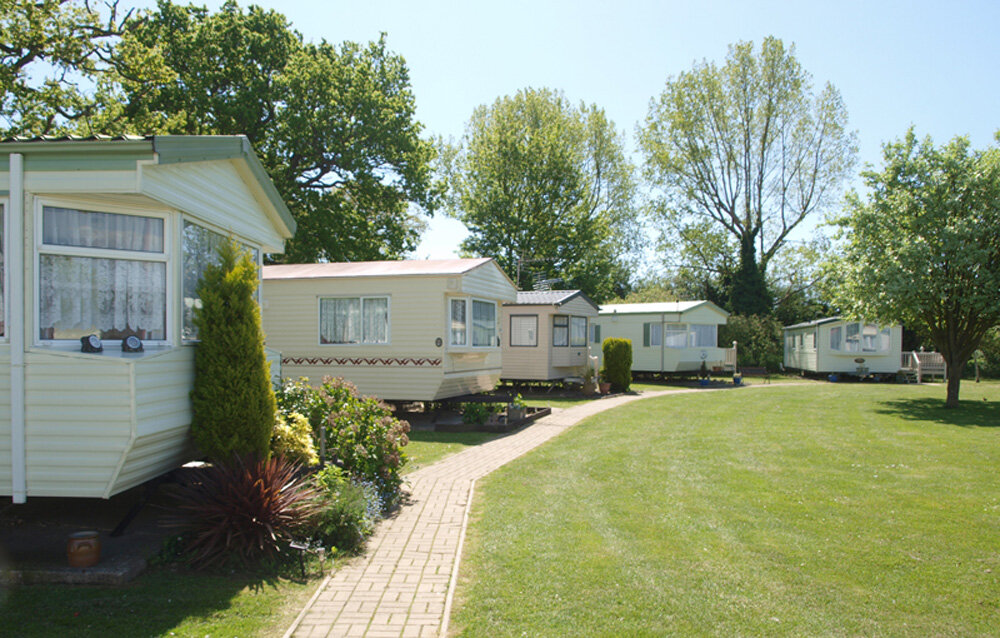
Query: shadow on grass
[(968, 413), (160, 601)]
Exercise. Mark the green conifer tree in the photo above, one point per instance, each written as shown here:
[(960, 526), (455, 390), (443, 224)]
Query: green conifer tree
[(232, 399)]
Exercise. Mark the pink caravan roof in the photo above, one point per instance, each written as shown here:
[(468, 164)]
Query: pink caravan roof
[(402, 268)]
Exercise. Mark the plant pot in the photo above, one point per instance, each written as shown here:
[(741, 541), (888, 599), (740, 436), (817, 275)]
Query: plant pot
[(589, 387), (83, 549), (516, 414), (604, 387), (703, 382), (737, 380)]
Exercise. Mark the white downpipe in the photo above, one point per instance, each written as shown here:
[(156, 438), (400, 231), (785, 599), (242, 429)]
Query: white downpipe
[(15, 227)]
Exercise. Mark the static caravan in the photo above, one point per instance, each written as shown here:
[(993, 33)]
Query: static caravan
[(104, 242), (546, 338), (834, 345), (399, 330), (666, 337)]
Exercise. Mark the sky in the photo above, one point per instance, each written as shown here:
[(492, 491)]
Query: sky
[(933, 65)]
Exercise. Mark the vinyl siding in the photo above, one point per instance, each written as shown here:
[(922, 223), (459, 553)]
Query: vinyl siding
[(545, 362), (78, 423), (215, 193), (489, 282), (417, 317), (163, 417), (656, 358), (5, 459)]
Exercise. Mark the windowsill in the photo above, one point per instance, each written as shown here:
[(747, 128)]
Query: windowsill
[(111, 351)]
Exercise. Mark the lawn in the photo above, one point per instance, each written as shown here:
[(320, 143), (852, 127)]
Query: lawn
[(822, 509), (161, 602)]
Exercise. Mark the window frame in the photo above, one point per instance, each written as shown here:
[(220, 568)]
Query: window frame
[(510, 332), (167, 257), (555, 326), (361, 300), (469, 342), (841, 330), (576, 318), (5, 271)]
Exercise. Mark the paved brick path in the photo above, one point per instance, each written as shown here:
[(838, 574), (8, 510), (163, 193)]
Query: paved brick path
[(402, 585)]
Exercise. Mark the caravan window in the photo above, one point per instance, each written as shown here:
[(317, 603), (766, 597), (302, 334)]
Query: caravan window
[(560, 330), (861, 337), (484, 323), (354, 320), (704, 336), (675, 335), (523, 330), (103, 273), (458, 331), (578, 332)]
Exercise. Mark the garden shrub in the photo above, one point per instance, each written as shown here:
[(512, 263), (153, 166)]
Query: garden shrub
[(241, 511), (758, 338), (293, 439), (346, 511), (233, 404), (364, 436), (617, 363), (479, 413), (297, 396)]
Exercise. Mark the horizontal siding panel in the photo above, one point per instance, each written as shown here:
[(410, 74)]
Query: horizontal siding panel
[(212, 191), (154, 455), (489, 281), (390, 384)]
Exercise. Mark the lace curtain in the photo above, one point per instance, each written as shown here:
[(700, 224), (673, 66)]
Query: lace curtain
[(578, 331), (111, 297), (376, 320), (458, 322), (340, 320), (703, 336), (68, 227)]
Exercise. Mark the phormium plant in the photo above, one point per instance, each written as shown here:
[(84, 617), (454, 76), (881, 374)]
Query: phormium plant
[(241, 511)]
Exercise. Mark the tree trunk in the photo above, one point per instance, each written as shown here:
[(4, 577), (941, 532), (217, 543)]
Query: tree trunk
[(956, 366)]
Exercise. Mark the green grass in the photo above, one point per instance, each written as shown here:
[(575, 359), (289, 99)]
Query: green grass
[(829, 509), (427, 447), (161, 602)]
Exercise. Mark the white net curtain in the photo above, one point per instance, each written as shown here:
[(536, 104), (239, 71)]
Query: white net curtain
[(103, 294)]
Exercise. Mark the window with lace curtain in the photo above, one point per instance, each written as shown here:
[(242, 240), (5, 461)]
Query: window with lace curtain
[(101, 273), (354, 320), (3, 276), (200, 250)]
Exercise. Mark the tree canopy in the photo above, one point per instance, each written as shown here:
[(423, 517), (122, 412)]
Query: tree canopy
[(740, 155), (923, 248), (545, 188), (334, 125)]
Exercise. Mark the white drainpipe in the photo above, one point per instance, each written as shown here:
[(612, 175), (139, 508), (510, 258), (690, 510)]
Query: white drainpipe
[(18, 466)]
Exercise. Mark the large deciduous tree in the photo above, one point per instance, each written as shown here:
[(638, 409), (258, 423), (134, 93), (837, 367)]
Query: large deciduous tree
[(741, 154), (51, 53), (545, 188), (334, 125), (923, 248)]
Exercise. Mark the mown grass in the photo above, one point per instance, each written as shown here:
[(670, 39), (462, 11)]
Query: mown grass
[(162, 602), (827, 509)]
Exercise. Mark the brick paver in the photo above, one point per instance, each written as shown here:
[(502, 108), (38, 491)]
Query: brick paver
[(402, 585)]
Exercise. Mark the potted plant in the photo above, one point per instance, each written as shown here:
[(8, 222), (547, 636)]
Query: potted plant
[(703, 374), (589, 386), (603, 386), (517, 409)]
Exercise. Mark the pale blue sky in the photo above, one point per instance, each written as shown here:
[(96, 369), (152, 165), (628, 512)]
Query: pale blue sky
[(935, 65)]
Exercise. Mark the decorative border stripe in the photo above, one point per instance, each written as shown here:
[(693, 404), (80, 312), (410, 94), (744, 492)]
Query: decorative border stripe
[(361, 361)]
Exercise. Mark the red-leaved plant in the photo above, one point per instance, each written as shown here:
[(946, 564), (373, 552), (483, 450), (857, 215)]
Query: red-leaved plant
[(242, 511)]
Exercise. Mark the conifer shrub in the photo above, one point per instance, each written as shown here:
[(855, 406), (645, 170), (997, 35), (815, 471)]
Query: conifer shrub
[(758, 340), (617, 363), (293, 439), (232, 400)]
